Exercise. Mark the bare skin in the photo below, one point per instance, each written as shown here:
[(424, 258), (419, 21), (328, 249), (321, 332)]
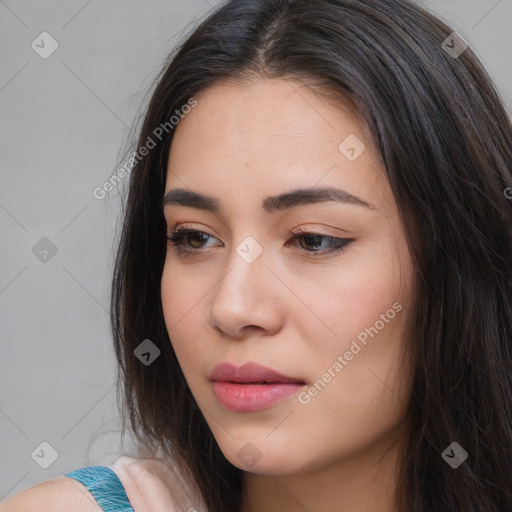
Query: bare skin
[(296, 308)]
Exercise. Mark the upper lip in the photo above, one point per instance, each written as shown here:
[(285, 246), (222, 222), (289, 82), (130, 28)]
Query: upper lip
[(249, 373)]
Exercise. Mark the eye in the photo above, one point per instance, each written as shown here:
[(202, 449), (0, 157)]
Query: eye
[(188, 241), (314, 239), (178, 237)]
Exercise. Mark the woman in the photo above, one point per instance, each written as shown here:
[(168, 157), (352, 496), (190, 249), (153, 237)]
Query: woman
[(312, 299)]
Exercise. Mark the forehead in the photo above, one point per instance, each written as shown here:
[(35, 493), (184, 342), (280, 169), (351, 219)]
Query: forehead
[(268, 136), (269, 111)]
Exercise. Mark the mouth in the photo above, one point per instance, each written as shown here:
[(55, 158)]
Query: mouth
[(251, 373), (251, 387)]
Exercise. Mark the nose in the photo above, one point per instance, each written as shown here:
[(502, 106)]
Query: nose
[(247, 298)]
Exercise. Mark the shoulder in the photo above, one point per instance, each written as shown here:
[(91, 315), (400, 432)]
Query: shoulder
[(156, 484), (145, 482), (61, 494)]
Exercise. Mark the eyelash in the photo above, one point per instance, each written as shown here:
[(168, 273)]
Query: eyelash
[(176, 239)]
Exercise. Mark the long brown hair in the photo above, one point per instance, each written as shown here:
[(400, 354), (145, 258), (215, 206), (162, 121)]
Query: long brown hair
[(446, 142)]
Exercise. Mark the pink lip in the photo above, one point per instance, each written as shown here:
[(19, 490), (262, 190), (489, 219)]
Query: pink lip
[(251, 387)]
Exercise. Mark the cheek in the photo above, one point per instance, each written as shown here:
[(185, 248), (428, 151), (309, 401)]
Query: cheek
[(365, 307), (368, 317), (350, 297)]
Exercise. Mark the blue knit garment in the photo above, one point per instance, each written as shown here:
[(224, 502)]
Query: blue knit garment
[(105, 486)]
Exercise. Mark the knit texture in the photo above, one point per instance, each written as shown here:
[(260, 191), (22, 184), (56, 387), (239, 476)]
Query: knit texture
[(105, 486)]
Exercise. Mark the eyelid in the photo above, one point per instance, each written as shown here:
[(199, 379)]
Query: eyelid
[(298, 230), (183, 227)]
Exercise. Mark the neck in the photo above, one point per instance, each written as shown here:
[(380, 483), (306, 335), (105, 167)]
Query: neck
[(361, 482)]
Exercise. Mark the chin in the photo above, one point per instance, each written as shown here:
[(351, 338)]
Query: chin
[(262, 456)]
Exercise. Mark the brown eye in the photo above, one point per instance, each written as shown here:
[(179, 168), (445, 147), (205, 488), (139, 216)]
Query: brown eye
[(197, 238), (313, 240)]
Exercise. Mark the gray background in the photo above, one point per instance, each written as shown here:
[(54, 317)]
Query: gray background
[(64, 121)]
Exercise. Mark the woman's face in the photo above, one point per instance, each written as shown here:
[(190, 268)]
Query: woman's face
[(247, 291)]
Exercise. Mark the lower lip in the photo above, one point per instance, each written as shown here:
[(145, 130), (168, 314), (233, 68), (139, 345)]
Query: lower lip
[(252, 397)]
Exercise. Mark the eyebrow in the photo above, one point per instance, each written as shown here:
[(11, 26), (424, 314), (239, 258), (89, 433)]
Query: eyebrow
[(287, 200)]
